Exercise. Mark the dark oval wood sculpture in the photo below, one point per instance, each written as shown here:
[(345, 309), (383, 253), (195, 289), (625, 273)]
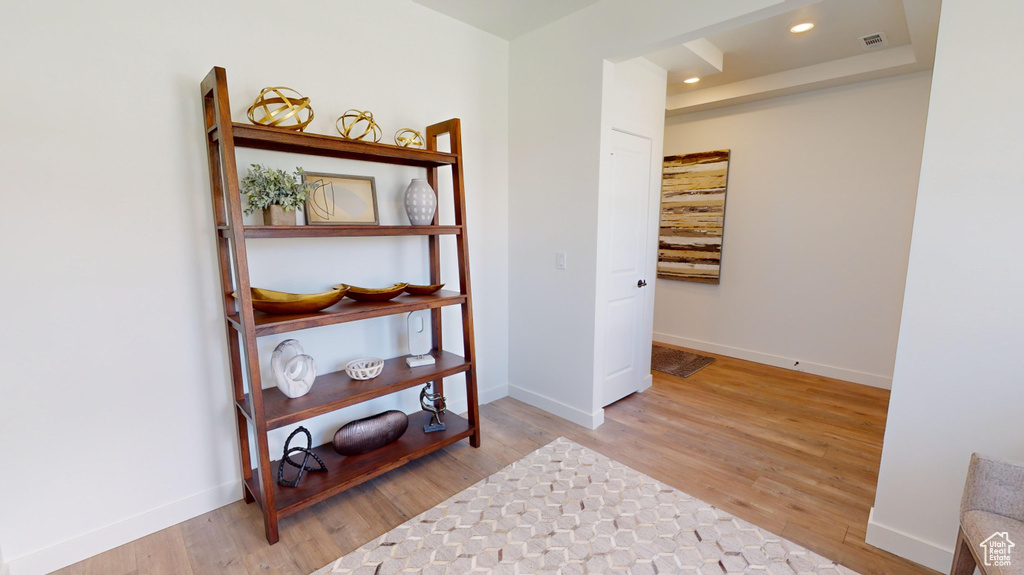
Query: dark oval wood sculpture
[(365, 435)]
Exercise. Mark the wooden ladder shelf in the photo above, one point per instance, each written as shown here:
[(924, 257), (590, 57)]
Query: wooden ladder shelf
[(261, 410)]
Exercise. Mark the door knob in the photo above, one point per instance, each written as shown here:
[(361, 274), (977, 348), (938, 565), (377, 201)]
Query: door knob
[(641, 283)]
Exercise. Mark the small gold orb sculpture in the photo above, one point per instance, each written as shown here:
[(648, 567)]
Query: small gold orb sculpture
[(276, 106), (356, 125), (408, 138)]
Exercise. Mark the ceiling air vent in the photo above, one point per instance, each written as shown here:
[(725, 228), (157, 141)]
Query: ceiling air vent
[(874, 40)]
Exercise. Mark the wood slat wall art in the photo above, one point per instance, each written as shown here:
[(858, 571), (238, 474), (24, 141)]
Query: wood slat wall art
[(692, 216)]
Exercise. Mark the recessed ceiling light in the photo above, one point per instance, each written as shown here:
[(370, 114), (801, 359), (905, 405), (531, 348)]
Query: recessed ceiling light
[(691, 80), (801, 27)]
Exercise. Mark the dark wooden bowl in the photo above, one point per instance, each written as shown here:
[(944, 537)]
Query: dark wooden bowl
[(379, 294), (422, 290)]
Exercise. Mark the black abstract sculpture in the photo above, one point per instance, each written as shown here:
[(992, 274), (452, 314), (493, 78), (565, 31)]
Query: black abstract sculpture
[(286, 458)]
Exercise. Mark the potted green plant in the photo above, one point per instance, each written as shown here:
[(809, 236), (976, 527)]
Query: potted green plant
[(276, 192)]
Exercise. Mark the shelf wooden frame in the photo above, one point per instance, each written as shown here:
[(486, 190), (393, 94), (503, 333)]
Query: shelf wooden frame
[(344, 472), (281, 140), (336, 390), (339, 231), (261, 410), (345, 311)]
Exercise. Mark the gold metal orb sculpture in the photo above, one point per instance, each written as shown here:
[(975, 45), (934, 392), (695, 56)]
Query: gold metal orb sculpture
[(277, 105), (408, 138), (357, 125)]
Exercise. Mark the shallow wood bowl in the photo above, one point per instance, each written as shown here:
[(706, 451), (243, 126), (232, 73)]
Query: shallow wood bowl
[(278, 302), (378, 294), (422, 290)]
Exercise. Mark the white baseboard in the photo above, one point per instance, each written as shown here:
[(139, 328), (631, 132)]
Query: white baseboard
[(579, 417), (492, 393), (461, 405), (106, 538), (874, 380), (907, 546), (111, 536), (646, 383)]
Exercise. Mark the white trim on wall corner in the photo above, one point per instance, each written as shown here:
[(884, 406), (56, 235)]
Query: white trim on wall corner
[(111, 536), (461, 405), (106, 538), (646, 383), (907, 546), (874, 380), (3, 566), (588, 420), (492, 393)]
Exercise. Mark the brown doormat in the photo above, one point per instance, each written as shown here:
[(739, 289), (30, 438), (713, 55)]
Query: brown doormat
[(678, 363)]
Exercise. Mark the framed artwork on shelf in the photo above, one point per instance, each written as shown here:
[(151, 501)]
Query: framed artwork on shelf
[(339, 199)]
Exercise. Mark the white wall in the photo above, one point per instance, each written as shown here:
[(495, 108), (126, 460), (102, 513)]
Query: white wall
[(555, 111), (116, 391), (817, 229), (958, 386)]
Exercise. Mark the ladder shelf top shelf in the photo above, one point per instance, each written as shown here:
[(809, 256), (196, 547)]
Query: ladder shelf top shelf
[(333, 391), (349, 310), (282, 140)]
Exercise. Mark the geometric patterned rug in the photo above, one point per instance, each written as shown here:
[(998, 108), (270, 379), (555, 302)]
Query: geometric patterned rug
[(569, 510)]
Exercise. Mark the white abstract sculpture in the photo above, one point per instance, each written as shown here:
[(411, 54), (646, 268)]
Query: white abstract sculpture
[(293, 371), (420, 340)]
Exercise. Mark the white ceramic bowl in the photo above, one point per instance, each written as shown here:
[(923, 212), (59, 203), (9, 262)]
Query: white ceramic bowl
[(364, 368)]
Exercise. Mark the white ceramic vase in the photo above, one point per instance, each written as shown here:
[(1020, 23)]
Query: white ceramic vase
[(420, 202), (293, 371)]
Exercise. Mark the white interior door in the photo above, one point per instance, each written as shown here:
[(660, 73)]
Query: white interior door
[(625, 277)]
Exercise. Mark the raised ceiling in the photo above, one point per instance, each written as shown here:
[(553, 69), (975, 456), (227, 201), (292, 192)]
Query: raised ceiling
[(508, 19), (758, 60), (764, 59), (768, 47)]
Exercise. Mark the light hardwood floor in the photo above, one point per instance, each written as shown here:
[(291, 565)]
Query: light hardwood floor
[(793, 453)]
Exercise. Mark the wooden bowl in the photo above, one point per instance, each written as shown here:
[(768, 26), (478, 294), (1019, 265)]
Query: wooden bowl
[(422, 290), (277, 302), (380, 294)]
